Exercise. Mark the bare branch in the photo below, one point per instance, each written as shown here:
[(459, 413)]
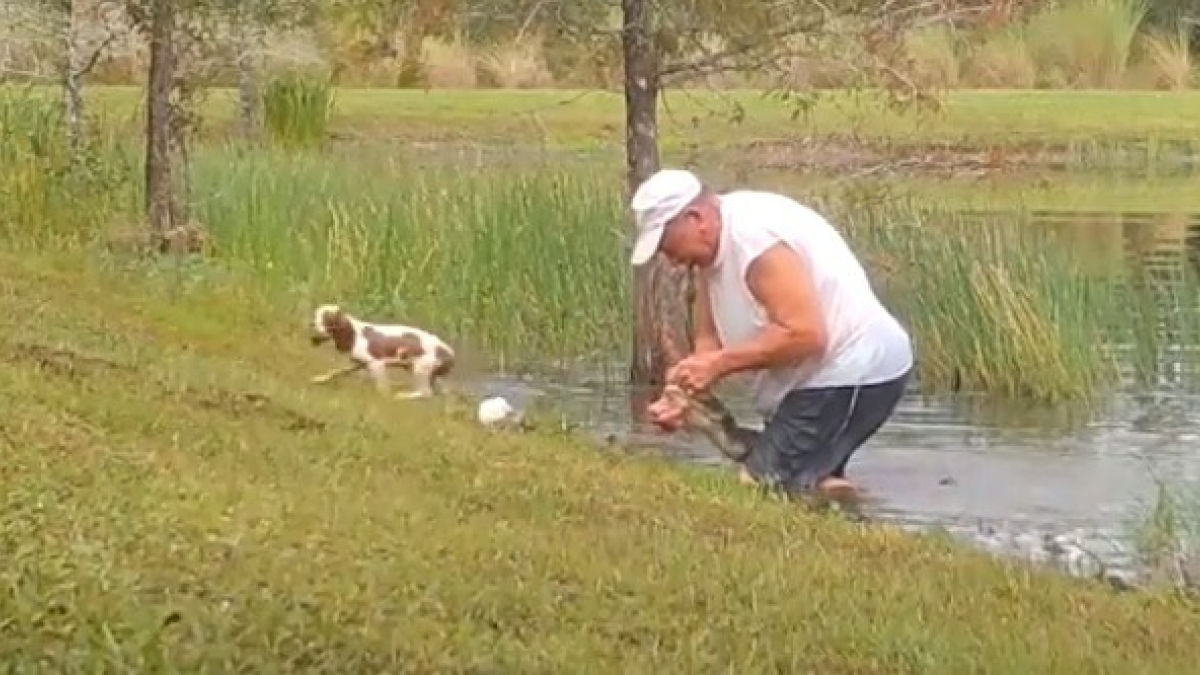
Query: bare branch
[(726, 60), (94, 58)]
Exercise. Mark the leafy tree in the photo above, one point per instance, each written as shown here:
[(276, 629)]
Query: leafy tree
[(187, 46), (77, 33)]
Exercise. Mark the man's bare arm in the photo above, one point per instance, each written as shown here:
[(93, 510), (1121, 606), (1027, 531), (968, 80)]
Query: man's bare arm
[(706, 328), (780, 280)]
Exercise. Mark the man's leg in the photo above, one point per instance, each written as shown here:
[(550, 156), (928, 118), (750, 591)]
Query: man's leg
[(795, 449), (876, 404), (814, 433)]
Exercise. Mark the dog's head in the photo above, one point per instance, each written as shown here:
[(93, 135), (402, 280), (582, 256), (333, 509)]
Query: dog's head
[(330, 322)]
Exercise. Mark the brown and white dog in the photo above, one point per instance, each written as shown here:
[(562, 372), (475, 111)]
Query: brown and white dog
[(376, 347)]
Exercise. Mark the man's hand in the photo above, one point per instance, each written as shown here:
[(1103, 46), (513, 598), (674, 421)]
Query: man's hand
[(697, 372), (667, 413)]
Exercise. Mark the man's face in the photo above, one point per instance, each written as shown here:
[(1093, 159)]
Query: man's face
[(689, 239)]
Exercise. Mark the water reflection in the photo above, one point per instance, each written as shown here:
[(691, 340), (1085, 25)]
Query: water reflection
[(1161, 244)]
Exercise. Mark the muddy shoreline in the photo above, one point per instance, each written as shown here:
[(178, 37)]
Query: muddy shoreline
[(846, 156), (956, 159)]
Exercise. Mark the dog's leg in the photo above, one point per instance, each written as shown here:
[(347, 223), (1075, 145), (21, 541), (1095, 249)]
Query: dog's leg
[(436, 385), (336, 373), (378, 371), (422, 375)]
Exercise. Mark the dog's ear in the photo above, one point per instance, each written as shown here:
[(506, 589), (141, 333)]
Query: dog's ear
[(329, 315), (337, 322)]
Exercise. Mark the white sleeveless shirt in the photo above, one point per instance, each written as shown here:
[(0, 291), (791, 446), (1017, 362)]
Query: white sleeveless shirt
[(866, 344)]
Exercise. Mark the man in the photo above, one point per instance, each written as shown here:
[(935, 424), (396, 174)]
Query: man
[(778, 294)]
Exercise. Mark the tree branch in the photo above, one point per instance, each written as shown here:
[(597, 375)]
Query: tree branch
[(95, 55), (719, 61)]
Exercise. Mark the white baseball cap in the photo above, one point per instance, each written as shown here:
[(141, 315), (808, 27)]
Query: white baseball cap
[(660, 198)]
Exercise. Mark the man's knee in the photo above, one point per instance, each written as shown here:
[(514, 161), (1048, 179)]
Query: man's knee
[(876, 405), (807, 459), (798, 448), (815, 433)]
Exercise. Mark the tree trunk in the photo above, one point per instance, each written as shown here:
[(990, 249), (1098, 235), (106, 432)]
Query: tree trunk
[(183, 118), (72, 81), (248, 93), (660, 332), (160, 187)]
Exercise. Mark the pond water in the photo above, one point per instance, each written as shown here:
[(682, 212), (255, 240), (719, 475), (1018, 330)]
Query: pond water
[(1008, 482), (1003, 487)]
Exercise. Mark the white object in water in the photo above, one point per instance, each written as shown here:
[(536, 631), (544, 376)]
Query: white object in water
[(494, 410)]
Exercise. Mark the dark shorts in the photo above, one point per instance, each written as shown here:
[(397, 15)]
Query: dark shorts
[(814, 432)]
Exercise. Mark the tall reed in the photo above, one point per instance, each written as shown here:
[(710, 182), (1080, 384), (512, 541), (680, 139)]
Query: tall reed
[(1166, 536), (1085, 43), (1169, 52), (991, 308), (524, 261), (1159, 326), (48, 191), (296, 108), (529, 262)]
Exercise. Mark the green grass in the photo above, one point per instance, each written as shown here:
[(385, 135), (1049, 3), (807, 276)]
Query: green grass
[(177, 497), (296, 109), (596, 119), (519, 263), (1167, 534), (991, 308)]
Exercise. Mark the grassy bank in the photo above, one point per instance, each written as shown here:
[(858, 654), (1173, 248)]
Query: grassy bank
[(595, 119), (168, 508)]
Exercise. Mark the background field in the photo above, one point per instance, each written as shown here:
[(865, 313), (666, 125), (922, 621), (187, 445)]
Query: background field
[(595, 119)]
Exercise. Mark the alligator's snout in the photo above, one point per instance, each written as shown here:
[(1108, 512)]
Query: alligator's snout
[(706, 414)]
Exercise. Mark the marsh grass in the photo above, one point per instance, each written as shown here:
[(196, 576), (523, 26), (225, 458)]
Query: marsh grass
[(297, 108), (1085, 43), (1000, 61), (1160, 322), (1170, 54), (524, 261), (527, 264), (1068, 44), (48, 192), (1166, 536), (992, 308), (177, 498), (530, 262)]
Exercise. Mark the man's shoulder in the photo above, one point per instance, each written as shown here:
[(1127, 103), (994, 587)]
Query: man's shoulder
[(751, 197), (752, 204)]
